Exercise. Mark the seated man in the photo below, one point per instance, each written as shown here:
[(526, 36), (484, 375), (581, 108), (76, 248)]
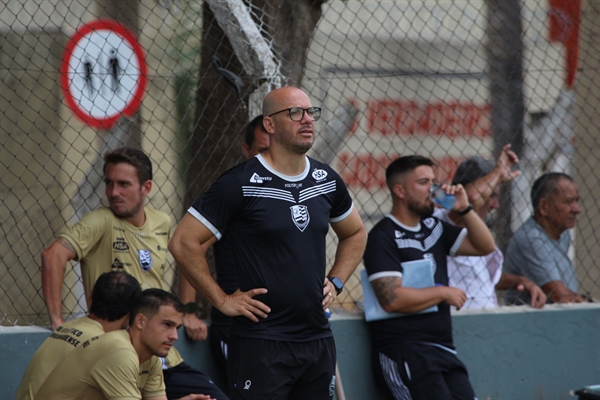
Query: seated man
[(113, 296), (480, 277), (122, 364), (538, 249)]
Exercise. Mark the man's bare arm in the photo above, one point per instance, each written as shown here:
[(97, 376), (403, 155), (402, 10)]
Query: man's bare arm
[(481, 189), (195, 328), (557, 292), (352, 236), (479, 240), (393, 297), (186, 291), (516, 282), (186, 247), (54, 264)]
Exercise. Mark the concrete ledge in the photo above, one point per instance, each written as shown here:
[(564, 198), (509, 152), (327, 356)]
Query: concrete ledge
[(511, 352)]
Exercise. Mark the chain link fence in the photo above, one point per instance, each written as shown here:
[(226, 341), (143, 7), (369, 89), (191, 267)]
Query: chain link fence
[(440, 78)]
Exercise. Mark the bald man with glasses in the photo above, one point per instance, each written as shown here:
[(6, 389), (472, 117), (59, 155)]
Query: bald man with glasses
[(277, 208)]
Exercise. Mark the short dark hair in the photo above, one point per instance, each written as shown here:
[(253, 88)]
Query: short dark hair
[(471, 169), (544, 185), (249, 138), (403, 165), (133, 156), (150, 302), (114, 295)]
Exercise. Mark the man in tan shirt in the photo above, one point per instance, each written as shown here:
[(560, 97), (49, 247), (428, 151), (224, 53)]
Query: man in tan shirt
[(124, 236), (122, 364), (113, 297)]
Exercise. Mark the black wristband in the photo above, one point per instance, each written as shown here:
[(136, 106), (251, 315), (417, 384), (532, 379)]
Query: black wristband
[(191, 308), (466, 210)]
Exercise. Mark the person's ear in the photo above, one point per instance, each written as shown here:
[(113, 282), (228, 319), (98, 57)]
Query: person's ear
[(269, 125), (398, 190), (246, 150), (147, 187), (544, 207), (140, 321)]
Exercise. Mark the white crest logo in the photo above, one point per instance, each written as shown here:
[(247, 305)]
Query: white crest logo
[(300, 217), (319, 174), (145, 257), (429, 222), (247, 384)]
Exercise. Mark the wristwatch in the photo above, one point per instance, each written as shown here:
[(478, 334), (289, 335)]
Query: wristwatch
[(337, 283), (191, 308)]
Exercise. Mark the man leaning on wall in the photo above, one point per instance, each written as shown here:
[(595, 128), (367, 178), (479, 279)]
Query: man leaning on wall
[(539, 249)]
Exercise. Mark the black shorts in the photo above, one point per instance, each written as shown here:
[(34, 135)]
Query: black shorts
[(262, 369), (421, 372), (183, 379), (218, 338)]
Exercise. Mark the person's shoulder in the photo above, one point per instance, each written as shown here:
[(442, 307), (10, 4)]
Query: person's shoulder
[(320, 170), (524, 237), (529, 228), (157, 215), (99, 214), (74, 323), (242, 171), (383, 225), (98, 220), (89, 324), (117, 339)]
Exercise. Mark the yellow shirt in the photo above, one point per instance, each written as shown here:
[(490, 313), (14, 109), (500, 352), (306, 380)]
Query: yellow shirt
[(104, 242), (61, 342), (104, 367)]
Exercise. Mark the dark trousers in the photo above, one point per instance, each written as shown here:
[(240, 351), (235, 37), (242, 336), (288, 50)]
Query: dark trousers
[(183, 379)]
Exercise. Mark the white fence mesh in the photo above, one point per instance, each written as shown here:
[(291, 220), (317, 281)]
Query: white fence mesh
[(441, 78)]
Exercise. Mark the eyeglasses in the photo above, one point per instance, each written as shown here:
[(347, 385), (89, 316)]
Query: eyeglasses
[(297, 113)]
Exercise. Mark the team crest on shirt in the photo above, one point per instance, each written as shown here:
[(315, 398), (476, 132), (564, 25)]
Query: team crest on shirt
[(145, 257), (429, 223), (300, 216)]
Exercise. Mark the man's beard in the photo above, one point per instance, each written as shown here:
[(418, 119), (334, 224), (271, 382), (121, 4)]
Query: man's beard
[(127, 213), (296, 147), (422, 210)]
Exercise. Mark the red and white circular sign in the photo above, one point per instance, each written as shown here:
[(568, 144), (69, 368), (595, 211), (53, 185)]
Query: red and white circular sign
[(103, 73)]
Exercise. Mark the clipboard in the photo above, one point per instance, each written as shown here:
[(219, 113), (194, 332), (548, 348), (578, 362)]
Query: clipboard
[(416, 274)]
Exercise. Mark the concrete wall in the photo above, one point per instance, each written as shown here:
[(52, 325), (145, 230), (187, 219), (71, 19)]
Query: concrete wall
[(511, 353)]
